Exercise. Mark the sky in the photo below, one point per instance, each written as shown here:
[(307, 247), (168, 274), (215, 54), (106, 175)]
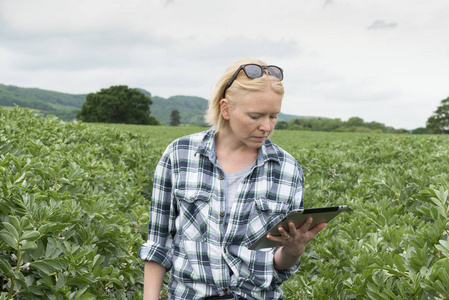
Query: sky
[(380, 60)]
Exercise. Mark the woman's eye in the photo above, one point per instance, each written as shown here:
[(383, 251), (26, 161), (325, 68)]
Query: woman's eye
[(254, 117), (274, 116)]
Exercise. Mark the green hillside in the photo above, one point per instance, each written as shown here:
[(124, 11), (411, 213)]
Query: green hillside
[(65, 106), (47, 102), (191, 109)]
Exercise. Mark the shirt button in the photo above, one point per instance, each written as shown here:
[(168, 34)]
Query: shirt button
[(222, 214), (221, 177), (192, 199), (225, 290), (224, 250)]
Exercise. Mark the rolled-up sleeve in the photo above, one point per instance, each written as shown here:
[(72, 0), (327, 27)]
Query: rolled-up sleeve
[(279, 276), (161, 228)]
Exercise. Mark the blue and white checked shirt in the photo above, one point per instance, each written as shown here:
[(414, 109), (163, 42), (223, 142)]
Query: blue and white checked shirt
[(186, 229)]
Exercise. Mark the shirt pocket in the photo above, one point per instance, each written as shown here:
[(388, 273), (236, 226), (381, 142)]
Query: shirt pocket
[(265, 213), (193, 214)]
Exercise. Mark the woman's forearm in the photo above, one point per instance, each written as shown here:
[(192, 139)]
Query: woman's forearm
[(153, 278), (283, 260)]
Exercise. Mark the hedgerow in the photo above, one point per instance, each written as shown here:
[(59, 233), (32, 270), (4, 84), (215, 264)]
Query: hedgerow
[(74, 202)]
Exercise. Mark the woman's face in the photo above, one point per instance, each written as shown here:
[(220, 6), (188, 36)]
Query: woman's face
[(252, 117)]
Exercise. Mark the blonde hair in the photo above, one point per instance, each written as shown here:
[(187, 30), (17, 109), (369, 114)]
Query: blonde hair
[(241, 85)]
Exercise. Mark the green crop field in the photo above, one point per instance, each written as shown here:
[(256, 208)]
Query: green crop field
[(74, 202), (288, 139)]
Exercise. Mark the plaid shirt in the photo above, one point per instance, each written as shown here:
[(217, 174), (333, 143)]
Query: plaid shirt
[(186, 229)]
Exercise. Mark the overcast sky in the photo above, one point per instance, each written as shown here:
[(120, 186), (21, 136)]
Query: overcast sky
[(381, 60)]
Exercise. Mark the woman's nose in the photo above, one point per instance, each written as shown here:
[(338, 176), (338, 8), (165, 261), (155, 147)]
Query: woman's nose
[(266, 125)]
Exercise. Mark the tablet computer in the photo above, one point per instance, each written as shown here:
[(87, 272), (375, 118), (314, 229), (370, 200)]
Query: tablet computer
[(299, 216)]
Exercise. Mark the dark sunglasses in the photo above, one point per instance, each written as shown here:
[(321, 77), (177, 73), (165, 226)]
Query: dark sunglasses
[(255, 71)]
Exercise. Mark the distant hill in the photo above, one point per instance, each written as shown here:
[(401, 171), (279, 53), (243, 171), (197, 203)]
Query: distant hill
[(65, 106), (62, 105), (191, 109)]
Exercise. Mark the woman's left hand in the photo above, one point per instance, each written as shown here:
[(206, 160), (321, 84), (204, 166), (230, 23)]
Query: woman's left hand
[(294, 242)]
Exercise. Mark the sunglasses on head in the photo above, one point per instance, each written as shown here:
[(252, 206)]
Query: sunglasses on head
[(255, 71)]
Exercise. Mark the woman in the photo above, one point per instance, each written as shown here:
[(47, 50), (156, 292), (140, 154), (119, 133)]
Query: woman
[(217, 191)]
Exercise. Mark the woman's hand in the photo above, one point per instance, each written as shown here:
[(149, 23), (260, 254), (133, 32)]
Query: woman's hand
[(294, 242)]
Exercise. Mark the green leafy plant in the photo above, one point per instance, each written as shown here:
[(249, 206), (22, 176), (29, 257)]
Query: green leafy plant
[(74, 202), (73, 208), (394, 242)]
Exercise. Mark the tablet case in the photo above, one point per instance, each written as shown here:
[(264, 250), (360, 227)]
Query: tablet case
[(299, 216)]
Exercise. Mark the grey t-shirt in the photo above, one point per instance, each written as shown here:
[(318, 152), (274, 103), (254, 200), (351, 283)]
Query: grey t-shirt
[(233, 181)]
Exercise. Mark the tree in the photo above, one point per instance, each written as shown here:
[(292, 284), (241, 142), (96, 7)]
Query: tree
[(420, 130), (175, 118), (355, 122), (281, 125), (439, 121), (117, 104)]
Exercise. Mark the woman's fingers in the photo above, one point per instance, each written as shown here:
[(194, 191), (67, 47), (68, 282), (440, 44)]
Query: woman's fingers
[(315, 230), (305, 227), (284, 234), (304, 233)]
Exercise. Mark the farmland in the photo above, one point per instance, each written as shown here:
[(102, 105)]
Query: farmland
[(288, 139), (74, 205)]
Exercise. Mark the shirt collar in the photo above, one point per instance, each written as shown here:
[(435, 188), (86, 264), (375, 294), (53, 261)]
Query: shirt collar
[(267, 152)]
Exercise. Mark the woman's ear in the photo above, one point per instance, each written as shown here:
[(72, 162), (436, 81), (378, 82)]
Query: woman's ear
[(224, 108)]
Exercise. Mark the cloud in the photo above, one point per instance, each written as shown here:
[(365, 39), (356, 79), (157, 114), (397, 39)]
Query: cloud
[(379, 24), (198, 65), (168, 2), (79, 50), (342, 90), (242, 47), (106, 45), (328, 2)]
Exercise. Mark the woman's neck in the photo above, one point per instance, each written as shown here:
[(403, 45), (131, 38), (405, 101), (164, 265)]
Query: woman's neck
[(233, 156)]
